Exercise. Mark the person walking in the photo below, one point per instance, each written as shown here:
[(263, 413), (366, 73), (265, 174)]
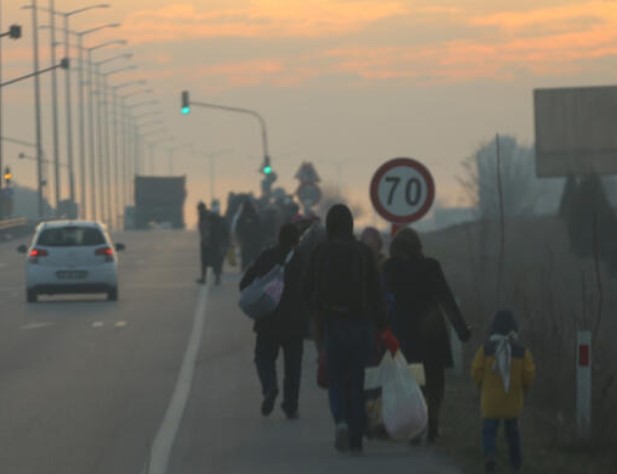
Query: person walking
[(504, 371), (213, 237), (372, 237), (249, 233), (285, 328), (345, 297), (416, 293)]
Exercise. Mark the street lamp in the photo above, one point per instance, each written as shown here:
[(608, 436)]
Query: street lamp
[(82, 138), (170, 153), (211, 157), (90, 50), (104, 139)]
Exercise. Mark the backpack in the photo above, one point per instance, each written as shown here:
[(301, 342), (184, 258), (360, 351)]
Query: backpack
[(341, 278)]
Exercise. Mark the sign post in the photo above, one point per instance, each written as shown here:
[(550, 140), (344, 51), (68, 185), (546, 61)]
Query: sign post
[(402, 191), (583, 385)]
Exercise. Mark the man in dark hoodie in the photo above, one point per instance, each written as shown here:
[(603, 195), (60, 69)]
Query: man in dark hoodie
[(285, 328), (345, 297)]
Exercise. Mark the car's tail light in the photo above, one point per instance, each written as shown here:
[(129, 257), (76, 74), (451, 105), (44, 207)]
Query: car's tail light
[(106, 252), (33, 256)]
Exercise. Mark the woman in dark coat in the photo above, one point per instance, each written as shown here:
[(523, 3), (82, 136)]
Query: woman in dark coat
[(417, 294), (284, 329)]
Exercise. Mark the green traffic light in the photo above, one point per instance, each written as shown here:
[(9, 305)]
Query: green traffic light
[(186, 110), (267, 169)]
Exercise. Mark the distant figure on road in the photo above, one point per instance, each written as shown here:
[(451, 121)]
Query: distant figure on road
[(286, 328), (417, 292), (249, 233), (504, 370), (372, 237), (214, 238), (345, 297)]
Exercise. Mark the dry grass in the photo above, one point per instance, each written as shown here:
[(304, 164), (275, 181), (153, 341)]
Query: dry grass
[(553, 294)]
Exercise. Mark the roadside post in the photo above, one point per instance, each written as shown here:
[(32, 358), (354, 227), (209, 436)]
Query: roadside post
[(583, 385)]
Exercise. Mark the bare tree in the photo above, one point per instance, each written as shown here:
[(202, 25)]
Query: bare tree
[(520, 186)]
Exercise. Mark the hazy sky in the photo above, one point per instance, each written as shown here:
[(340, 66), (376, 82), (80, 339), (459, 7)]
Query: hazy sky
[(353, 82)]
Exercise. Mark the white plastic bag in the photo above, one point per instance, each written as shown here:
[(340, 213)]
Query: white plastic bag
[(404, 411)]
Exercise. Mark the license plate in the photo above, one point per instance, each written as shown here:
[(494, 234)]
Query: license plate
[(72, 274)]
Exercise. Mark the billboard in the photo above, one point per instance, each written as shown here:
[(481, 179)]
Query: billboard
[(576, 130)]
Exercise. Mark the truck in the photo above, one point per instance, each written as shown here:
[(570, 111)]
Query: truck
[(159, 201)]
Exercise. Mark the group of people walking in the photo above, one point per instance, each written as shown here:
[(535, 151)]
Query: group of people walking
[(358, 303)]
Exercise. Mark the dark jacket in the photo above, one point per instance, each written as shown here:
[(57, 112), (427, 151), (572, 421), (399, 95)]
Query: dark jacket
[(290, 317), (368, 299), (417, 292)]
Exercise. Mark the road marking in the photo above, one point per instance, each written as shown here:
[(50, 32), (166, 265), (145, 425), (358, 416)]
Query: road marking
[(166, 435), (36, 326), (121, 324), (97, 324)]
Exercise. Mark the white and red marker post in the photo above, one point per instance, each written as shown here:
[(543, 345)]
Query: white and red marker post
[(583, 385)]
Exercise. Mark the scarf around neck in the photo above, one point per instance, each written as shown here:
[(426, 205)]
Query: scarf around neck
[(503, 356)]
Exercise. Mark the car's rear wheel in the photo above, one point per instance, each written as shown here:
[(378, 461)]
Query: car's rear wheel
[(112, 294), (31, 296)]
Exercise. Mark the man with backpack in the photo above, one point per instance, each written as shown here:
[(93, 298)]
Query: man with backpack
[(344, 294)]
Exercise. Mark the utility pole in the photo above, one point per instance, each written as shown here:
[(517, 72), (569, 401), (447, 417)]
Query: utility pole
[(37, 107)]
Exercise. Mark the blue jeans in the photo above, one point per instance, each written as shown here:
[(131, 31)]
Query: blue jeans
[(266, 352), (490, 427), (349, 345)]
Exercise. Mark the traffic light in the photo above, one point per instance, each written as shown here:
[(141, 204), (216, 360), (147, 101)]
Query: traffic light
[(8, 176), (266, 168), (15, 31), (186, 105)]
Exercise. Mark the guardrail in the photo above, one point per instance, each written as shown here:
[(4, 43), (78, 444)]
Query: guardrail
[(10, 228)]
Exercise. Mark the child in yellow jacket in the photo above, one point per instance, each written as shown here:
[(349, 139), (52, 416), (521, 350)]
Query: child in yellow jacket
[(504, 370)]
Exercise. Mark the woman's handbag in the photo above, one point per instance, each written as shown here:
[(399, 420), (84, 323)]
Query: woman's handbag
[(263, 295)]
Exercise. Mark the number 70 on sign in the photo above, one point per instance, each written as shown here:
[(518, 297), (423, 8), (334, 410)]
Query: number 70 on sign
[(402, 190)]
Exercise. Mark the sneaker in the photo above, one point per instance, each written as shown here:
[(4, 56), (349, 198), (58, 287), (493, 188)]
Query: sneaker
[(201, 281), (341, 438), (268, 404)]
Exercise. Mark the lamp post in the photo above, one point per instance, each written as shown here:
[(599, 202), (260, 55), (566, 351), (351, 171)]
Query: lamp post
[(152, 144), (67, 86), (14, 33), (104, 98), (211, 157), (170, 155), (82, 136), (90, 50)]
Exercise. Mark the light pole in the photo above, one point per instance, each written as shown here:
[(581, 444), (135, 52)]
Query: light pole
[(69, 124), (170, 155), (82, 135), (14, 33), (90, 50), (152, 144), (211, 157), (104, 98)]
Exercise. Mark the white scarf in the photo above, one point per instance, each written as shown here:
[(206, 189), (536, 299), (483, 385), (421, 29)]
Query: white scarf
[(503, 356)]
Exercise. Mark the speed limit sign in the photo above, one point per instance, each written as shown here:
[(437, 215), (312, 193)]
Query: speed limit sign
[(402, 190)]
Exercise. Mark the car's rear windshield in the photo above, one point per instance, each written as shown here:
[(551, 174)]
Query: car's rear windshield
[(70, 237)]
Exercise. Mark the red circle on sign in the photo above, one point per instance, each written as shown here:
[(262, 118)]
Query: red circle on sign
[(424, 173)]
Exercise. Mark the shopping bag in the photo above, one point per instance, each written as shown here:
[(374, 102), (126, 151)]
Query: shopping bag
[(404, 411), (322, 370), (263, 295)]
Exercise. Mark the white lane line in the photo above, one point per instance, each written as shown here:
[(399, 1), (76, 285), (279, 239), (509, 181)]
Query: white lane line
[(166, 435), (30, 326), (120, 324), (97, 324)]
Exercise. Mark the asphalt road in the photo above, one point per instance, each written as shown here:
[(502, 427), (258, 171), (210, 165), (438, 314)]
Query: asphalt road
[(161, 381)]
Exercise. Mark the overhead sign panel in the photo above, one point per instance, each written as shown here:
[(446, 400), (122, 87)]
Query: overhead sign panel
[(576, 130)]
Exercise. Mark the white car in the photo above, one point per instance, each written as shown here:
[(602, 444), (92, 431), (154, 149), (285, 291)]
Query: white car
[(71, 256)]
